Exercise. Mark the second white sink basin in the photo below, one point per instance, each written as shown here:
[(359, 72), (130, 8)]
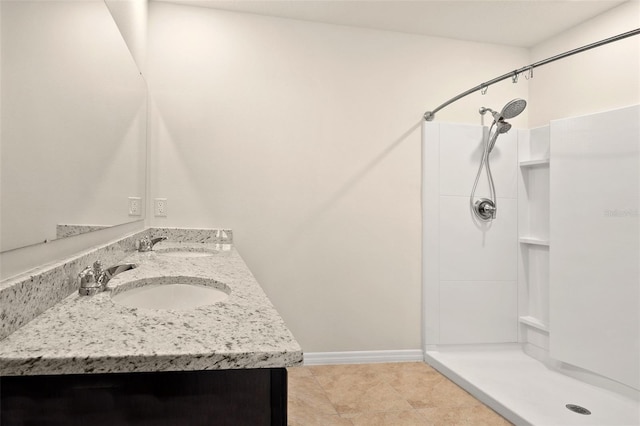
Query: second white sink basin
[(170, 293)]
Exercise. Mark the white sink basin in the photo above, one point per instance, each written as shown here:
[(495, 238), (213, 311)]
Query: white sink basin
[(170, 293), (186, 252)]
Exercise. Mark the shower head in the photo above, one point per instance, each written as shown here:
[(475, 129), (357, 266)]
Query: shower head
[(512, 109), (503, 126)]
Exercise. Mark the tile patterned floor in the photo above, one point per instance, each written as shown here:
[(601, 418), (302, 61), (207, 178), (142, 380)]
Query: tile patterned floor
[(397, 394)]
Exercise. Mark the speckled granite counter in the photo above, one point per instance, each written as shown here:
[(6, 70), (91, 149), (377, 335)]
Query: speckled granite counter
[(92, 334)]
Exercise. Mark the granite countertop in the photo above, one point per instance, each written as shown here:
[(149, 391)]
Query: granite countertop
[(92, 334)]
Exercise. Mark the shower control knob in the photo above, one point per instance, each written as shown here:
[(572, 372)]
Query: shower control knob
[(485, 209)]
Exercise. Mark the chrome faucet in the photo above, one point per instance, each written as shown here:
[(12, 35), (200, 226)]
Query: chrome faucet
[(93, 279), (146, 243)]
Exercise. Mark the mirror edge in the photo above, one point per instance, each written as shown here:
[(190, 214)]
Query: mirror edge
[(24, 259)]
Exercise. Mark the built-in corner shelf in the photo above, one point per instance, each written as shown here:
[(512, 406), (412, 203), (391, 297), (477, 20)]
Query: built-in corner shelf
[(535, 163), (534, 322), (534, 245), (534, 241)]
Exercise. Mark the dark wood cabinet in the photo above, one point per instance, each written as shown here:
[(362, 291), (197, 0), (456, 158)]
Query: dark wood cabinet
[(251, 397)]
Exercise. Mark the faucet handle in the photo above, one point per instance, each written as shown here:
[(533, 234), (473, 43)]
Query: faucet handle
[(97, 268), (86, 276), (88, 281), (144, 243)]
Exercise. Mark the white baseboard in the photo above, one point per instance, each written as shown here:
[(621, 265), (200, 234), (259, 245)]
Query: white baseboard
[(363, 357)]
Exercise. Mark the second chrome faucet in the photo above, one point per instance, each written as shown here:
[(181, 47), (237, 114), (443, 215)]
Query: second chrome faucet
[(146, 243)]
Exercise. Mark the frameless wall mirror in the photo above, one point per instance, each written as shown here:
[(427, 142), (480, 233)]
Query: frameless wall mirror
[(73, 121)]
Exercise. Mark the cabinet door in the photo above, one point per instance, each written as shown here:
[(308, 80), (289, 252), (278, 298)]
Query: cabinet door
[(256, 397)]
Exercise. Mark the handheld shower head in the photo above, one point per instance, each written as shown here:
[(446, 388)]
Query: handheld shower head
[(503, 126), (513, 109)]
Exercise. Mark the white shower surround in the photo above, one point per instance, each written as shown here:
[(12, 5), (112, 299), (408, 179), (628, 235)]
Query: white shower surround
[(595, 230), (470, 270), (474, 313)]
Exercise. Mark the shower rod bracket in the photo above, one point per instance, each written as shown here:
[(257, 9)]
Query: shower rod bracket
[(430, 115)]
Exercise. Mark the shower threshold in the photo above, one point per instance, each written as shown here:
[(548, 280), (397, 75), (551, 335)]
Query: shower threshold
[(525, 391)]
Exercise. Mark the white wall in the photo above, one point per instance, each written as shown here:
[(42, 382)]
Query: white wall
[(305, 139), (131, 18), (600, 79)]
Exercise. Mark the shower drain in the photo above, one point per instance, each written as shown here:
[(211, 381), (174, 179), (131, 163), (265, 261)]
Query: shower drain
[(578, 409)]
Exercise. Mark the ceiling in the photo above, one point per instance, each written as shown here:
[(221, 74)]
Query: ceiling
[(520, 23)]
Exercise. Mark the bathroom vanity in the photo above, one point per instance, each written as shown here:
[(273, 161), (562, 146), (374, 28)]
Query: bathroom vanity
[(93, 360)]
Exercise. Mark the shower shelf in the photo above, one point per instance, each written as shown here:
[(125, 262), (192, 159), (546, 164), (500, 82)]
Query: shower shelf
[(534, 163), (534, 241), (534, 244), (534, 322)]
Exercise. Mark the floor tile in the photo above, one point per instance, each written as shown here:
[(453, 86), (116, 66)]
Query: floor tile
[(434, 391), (310, 419), (387, 418), (411, 375), (299, 372), (362, 392), (396, 394), (306, 395), (478, 415)]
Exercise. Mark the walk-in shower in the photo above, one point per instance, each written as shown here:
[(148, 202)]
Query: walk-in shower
[(500, 316), (485, 209)]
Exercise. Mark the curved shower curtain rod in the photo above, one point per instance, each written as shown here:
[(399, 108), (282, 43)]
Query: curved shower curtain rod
[(430, 115)]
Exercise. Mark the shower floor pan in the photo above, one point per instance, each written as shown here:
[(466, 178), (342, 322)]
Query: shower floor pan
[(525, 391)]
